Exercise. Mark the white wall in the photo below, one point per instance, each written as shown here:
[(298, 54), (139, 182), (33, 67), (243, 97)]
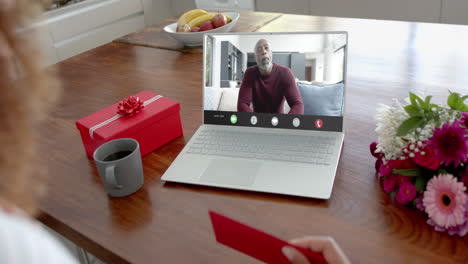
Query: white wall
[(293, 43), (334, 61), (435, 11), (317, 47), (406, 10), (156, 10), (180, 6), (282, 6)]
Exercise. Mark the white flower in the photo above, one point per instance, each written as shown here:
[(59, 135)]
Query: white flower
[(389, 118)]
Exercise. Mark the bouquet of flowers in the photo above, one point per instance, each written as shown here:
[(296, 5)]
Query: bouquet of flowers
[(422, 158)]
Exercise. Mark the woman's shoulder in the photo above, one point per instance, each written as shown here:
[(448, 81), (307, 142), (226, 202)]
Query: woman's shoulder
[(22, 240)]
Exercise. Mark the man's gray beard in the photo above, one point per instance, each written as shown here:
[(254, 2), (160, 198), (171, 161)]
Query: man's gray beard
[(265, 67)]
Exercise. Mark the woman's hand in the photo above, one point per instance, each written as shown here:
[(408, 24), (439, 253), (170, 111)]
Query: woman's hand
[(325, 245)]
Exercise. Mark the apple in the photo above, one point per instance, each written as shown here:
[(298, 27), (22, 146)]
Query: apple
[(195, 29), (183, 28), (207, 25), (219, 20)]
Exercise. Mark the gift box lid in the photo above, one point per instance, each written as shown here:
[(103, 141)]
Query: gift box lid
[(106, 123)]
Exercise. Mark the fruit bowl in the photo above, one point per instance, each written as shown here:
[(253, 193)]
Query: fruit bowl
[(196, 38)]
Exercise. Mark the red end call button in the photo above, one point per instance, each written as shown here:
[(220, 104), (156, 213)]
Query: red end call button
[(318, 123)]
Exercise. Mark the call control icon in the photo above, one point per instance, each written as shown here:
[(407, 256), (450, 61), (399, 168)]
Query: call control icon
[(253, 120), (274, 121), (233, 119), (318, 123), (296, 122)]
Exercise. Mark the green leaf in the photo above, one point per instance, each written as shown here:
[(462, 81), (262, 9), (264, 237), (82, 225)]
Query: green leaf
[(420, 183), (412, 110), (454, 101), (416, 172), (442, 171), (427, 103), (434, 106), (428, 99), (420, 101), (409, 124), (437, 120), (412, 98)]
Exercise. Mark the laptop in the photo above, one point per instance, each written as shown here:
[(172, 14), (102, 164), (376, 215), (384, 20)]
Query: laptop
[(273, 107)]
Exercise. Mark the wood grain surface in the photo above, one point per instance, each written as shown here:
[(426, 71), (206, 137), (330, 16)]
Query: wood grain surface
[(155, 37), (169, 223)]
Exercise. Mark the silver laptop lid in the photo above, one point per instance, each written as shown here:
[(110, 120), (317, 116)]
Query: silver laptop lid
[(275, 80)]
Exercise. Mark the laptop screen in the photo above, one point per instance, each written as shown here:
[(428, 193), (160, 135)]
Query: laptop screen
[(275, 80)]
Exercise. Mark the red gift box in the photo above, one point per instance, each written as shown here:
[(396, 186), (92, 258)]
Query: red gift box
[(156, 124)]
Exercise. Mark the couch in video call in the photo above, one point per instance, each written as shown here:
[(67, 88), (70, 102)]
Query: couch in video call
[(319, 98)]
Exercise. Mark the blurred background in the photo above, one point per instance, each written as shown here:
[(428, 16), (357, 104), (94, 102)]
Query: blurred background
[(70, 27)]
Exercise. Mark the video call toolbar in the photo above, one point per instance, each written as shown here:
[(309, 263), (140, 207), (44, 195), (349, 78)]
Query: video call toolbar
[(268, 120)]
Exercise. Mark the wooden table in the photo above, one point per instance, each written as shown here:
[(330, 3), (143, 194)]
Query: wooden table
[(155, 37), (169, 223)]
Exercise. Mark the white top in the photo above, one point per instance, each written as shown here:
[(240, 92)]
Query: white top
[(24, 241)]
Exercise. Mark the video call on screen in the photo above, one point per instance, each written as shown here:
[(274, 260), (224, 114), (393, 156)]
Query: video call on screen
[(274, 75)]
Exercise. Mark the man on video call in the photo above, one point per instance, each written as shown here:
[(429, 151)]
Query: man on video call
[(267, 85)]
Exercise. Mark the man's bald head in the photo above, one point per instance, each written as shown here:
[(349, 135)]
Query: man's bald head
[(263, 56)]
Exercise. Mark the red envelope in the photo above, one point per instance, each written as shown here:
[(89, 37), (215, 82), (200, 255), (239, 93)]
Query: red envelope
[(255, 243)]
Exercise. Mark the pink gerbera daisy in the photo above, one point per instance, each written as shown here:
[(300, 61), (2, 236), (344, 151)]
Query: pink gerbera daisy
[(464, 180), (450, 144), (418, 202), (460, 230), (444, 201)]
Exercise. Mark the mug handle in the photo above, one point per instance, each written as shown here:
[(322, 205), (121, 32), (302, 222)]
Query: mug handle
[(110, 177)]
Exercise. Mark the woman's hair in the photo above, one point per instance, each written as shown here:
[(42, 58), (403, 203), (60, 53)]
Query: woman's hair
[(26, 90)]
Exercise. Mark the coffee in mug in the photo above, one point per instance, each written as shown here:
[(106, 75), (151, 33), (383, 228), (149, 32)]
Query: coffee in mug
[(118, 155), (120, 167)]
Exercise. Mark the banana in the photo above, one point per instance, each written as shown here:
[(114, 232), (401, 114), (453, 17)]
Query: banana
[(190, 15), (196, 22), (229, 19)]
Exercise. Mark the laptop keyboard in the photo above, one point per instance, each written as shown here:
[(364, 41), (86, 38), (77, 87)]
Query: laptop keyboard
[(251, 145)]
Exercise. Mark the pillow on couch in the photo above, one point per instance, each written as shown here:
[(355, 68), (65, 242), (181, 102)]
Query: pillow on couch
[(228, 100), (211, 98), (325, 100)]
